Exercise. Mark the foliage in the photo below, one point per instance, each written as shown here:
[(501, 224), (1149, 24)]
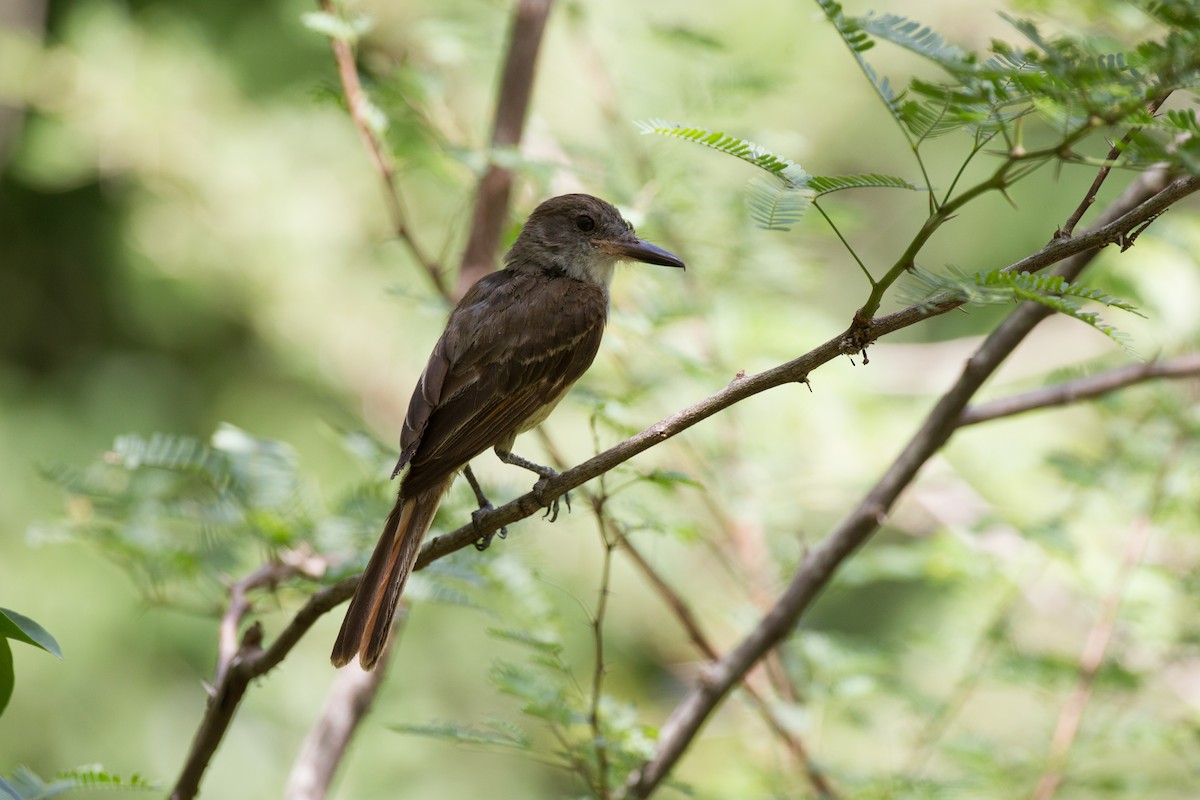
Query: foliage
[(176, 510), (21, 628), (934, 636), (548, 689), (25, 785), (777, 202), (999, 286)]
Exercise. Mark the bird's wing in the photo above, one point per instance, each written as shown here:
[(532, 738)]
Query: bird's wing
[(505, 356)]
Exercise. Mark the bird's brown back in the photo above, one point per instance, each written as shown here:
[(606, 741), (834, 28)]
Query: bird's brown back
[(514, 345)]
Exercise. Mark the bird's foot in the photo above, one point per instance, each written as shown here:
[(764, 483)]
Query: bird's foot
[(546, 474), (551, 506), (484, 540)]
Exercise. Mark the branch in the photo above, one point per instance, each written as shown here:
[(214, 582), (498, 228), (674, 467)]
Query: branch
[(360, 108), (1109, 162), (251, 661), (1100, 635), (1062, 394), (512, 107), (270, 574), (247, 663), (1124, 215), (603, 524), (1089, 664), (349, 698), (819, 565), (683, 613)]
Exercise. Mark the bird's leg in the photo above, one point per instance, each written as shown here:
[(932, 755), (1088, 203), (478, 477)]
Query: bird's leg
[(485, 506), (546, 473)]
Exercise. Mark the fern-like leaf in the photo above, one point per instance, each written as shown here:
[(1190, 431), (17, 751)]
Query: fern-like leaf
[(747, 151), (915, 37), (497, 734), (777, 200), (859, 41), (827, 184), (776, 205), (27, 785), (1052, 291)]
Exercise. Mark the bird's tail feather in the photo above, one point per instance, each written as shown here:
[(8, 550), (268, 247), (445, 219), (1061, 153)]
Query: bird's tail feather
[(369, 618)]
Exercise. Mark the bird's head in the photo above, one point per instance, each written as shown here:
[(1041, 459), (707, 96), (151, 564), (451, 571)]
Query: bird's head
[(583, 237)]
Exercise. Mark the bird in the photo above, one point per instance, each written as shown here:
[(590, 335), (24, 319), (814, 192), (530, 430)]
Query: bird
[(513, 346)]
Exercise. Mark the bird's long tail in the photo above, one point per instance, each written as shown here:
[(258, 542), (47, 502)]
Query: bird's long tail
[(369, 618)]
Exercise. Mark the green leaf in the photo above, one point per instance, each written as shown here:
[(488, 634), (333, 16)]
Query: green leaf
[(775, 205), (27, 785), (497, 733), (776, 201), (23, 629), (1052, 291), (94, 776), (859, 41), (7, 677), (824, 185), (747, 151), (527, 639), (671, 478), (914, 37)]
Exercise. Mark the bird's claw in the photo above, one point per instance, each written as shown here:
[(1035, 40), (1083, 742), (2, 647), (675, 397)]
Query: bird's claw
[(484, 540), (551, 506)]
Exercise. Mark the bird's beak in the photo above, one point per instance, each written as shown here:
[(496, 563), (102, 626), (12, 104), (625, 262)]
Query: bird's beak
[(640, 250)]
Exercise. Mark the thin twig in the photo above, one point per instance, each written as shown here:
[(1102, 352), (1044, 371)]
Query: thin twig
[(956, 699), (1089, 664), (598, 501), (683, 612), (817, 568), (1068, 392), (512, 107), (360, 112), (1094, 649), (1109, 162)]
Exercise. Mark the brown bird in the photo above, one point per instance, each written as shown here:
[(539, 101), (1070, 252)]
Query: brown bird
[(514, 345)]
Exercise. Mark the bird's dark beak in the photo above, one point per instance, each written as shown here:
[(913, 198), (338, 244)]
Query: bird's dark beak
[(640, 250)]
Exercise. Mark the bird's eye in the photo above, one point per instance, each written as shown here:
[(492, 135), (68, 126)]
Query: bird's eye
[(585, 223)]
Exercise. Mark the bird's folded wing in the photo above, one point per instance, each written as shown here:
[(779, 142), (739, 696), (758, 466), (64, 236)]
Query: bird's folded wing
[(523, 359)]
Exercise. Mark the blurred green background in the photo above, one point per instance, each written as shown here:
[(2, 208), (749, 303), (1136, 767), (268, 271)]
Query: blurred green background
[(191, 233)]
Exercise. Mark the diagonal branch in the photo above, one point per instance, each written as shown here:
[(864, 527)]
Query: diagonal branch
[(512, 107), (820, 564)]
